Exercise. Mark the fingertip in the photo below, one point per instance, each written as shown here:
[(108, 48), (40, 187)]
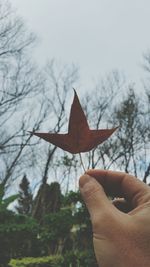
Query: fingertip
[(84, 179), (89, 170), (94, 197)]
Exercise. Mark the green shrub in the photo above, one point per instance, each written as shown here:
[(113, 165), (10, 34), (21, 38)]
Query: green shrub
[(18, 236), (50, 261), (70, 259)]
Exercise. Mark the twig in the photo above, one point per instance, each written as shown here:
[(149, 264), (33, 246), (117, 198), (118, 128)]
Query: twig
[(82, 162)]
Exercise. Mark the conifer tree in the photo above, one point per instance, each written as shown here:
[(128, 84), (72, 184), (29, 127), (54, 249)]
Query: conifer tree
[(25, 197)]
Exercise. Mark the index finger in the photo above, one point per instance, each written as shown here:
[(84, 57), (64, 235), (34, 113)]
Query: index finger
[(122, 185)]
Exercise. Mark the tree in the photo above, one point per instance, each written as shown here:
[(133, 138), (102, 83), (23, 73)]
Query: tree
[(128, 148), (27, 96), (48, 200), (132, 137), (21, 82), (99, 108), (25, 197), (4, 203), (60, 79), (18, 236)]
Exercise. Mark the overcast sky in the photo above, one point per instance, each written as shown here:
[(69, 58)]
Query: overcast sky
[(97, 35)]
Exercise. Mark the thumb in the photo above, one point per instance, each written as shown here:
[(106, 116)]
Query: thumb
[(95, 199)]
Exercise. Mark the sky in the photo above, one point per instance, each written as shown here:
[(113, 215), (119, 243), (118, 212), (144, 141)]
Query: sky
[(97, 35)]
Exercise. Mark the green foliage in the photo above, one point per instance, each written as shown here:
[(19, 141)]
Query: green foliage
[(5, 202), (25, 197), (70, 259), (72, 198), (80, 259), (1, 192), (50, 261), (58, 224), (55, 230), (82, 229), (62, 228), (18, 236), (48, 200)]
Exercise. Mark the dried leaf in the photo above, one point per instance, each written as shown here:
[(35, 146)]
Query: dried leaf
[(80, 138)]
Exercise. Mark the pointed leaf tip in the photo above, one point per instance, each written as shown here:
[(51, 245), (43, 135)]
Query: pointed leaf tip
[(75, 93), (30, 132)]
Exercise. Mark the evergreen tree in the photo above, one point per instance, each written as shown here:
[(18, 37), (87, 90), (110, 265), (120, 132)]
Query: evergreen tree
[(48, 200), (25, 197)]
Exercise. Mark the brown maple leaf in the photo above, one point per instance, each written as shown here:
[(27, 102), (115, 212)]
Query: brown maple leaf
[(80, 138)]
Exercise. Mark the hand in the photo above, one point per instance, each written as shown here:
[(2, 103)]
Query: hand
[(120, 239)]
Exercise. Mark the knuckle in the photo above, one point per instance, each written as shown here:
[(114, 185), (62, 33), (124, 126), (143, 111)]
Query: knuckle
[(105, 220), (102, 222)]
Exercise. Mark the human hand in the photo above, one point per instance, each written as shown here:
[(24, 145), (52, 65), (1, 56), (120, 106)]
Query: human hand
[(120, 239)]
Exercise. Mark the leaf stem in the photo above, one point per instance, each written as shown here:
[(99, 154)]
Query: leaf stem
[(82, 162)]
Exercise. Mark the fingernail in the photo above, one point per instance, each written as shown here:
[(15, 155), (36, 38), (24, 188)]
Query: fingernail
[(84, 179)]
